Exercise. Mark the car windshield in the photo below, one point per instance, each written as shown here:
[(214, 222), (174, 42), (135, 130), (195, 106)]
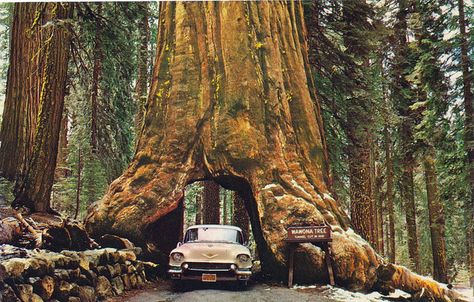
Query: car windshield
[(213, 234)]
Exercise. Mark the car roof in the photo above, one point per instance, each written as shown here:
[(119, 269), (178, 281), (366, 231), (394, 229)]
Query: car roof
[(215, 226)]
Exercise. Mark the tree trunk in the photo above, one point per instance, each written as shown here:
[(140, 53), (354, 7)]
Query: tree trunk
[(389, 196), (211, 203), (23, 90), (407, 192), (358, 127), (240, 217), (96, 78), (61, 170), (141, 88), (401, 90), (436, 218), (229, 101), (224, 208), (78, 183), (468, 133), (34, 189), (380, 209), (198, 209)]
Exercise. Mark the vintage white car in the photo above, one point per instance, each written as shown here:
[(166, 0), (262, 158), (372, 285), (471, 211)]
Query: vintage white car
[(211, 253)]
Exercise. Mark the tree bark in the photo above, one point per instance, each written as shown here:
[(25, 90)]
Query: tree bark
[(211, 203), (198, 209), (401, 89), (61, 170), (34, 189), (468, 133), (141, 88), (436, 218), (240, 217), (23, 90), (224, 208), (229, 101), (389, 197)]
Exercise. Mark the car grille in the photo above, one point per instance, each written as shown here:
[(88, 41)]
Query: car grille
[(203, 266)]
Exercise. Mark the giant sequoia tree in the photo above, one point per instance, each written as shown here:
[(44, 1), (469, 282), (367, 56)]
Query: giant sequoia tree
[(232, 100), (34, 187), (23, 89)]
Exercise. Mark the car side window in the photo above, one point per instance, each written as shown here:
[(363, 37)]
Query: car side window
[(240, 238), (191, 235)]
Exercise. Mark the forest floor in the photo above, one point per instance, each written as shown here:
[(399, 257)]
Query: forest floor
[(161, 291)]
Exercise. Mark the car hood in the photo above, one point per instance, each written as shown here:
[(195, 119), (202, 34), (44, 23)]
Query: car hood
[(211, 251)]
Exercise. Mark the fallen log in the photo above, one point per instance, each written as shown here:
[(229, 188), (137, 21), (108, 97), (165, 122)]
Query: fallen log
[(391, 276), (114, 241), (36, 234), (42, 230)]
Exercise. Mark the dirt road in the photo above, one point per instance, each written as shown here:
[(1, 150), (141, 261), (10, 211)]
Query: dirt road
[(162, 291)]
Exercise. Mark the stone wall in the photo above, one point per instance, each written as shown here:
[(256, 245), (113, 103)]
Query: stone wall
[(92, 275)]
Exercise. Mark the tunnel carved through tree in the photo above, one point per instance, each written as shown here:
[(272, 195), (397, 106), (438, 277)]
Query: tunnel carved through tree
[(232, 100)]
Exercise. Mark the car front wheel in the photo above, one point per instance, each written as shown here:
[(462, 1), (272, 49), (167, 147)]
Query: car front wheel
[(243, 284), (178, 285)]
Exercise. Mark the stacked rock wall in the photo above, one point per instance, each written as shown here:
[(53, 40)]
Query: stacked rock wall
[(71, 276)]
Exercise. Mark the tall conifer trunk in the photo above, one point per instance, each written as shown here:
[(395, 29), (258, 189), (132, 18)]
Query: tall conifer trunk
[(211, 203), (23, 90), (389, 196), (436, 219), (404, 98), (466, 66), (34, 188), (358, 126)]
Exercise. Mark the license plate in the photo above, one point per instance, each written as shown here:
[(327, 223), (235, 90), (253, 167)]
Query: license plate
[(209, 278)]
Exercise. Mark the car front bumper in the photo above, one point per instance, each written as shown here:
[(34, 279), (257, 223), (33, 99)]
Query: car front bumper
[(180, 273)]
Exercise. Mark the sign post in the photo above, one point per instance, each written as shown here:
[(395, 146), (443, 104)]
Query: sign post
[(319, 235)]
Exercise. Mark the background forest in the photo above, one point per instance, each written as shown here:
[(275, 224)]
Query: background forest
[(394, 80)]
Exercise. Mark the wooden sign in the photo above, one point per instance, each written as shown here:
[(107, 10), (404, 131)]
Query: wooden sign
[(320, 233)]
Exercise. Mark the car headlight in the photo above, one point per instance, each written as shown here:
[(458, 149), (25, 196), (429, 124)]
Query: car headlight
[(177, 257), (243, 258)]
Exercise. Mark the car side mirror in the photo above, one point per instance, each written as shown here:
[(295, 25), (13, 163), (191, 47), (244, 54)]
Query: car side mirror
[(247, 244), (179, 244)]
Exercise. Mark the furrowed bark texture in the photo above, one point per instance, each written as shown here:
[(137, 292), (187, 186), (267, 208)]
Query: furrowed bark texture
[(34, 189), (229, 101), (240, 216), (141, 88), (211, 203), (23, 90), (436, 218)]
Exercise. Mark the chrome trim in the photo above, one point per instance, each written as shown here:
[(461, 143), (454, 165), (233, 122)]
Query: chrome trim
[(208, 269), (175, 271), (239, 272)]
